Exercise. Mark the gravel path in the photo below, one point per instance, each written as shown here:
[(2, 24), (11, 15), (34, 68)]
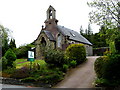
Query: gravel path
[(81, 76)]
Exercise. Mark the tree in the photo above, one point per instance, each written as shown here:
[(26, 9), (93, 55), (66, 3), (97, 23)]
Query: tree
[(88, 33), (4, 39), (89, 30), (107, 13), (22, 51), (12, 44), (10, 56), (81, 30)]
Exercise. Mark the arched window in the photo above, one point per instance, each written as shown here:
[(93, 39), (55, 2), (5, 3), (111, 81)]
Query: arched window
[(43, 42), (59, 39), (50, 14)]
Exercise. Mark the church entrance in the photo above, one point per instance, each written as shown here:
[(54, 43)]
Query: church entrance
[(43, 42)]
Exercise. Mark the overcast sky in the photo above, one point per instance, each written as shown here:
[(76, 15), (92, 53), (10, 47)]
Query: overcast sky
[(25, 17)]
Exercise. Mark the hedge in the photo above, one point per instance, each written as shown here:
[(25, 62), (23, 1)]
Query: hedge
[(76, 52)]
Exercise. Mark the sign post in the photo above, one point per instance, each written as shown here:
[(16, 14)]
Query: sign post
[(31, 58)]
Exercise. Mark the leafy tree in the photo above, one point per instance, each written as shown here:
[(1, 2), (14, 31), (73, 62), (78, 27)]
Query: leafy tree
[(107, 14), (10, 56), (89, 30), (4, 39), (81, 30), (12, 44), (22, 51), (88, 33)]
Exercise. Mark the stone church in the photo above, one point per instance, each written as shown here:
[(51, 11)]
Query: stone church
[(59, 37)]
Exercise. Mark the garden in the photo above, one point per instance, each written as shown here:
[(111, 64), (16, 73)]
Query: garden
[(43, 73)]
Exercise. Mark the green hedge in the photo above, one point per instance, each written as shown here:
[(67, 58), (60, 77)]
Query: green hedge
[(112, 68), (76, 52), (99, 65), (10, 56), (107, 68)]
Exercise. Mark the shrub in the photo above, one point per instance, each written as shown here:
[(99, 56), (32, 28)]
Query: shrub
[(76, 52), (73, 63), (51, 77), (99, 66), (10, 56), (4, 63), (55, 58), (102, 82), (107, 68), (112, 67), (8, 72), (24, 72), (65, 67)]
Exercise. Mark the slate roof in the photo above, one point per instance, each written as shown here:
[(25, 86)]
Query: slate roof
[(73, 35), (49, 35)]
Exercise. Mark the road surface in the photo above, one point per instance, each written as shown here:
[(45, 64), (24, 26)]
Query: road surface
[(82, 76)]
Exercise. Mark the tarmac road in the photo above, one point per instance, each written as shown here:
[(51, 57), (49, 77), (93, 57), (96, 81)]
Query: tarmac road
[(82, 76)]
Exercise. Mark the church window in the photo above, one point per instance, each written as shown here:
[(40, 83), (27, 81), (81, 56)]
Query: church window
[(59, 40)]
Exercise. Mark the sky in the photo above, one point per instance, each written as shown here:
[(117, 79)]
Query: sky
[(26, 17)]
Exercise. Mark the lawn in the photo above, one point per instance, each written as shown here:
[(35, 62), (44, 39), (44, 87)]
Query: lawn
[(23, 62)]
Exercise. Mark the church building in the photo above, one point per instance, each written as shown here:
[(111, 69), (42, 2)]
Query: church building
[(58, 37)]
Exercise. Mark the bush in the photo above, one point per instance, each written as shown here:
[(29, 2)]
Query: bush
[(73, 63), (4, 61), (10, 56), (99, 66), (55, 58), (51, 77), (112, 67), (47, 76), (24, 72), (65, 67), (107, 68), (102, 82), (76, 52), (8, 72)]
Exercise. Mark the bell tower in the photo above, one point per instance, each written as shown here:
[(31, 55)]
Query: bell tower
[(51, 20), (51, 13)]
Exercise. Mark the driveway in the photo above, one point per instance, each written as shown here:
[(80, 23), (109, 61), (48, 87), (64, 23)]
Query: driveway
[(82, 76)]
